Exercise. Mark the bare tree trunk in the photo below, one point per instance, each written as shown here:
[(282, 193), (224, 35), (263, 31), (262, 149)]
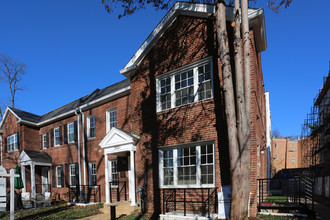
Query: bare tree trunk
[(240, 104), (228, 89), (245, 151)]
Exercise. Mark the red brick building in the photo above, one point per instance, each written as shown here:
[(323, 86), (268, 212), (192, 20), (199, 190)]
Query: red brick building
[(285, 155), (162, 129)]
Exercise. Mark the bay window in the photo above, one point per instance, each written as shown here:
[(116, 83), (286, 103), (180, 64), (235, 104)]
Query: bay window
[(189, 165), (185, 85)]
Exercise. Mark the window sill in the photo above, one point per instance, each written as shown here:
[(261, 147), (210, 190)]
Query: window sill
[(192, 103), (90, 138), (188, 186)]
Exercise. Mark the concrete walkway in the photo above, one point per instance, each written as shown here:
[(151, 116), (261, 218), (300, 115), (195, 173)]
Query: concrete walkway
[(122, 209), (322, 211)]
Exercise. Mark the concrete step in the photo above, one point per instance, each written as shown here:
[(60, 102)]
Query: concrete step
[(122, 208)]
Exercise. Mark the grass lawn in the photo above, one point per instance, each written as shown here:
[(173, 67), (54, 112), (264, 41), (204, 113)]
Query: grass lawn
[(60, 211), (276, 199), (136, 215), (272, 217)]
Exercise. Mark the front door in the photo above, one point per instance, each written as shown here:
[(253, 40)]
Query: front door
[(44, 179)]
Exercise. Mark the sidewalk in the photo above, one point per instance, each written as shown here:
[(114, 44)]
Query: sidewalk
[(122, 209), (321, 211)]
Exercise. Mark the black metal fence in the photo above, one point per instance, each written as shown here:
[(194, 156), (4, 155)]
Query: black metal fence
[(201, 201), (118, 189), (85, 193), (289, 193)]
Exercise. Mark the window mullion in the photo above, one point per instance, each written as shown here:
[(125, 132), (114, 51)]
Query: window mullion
[(195, 71), (158, 99), (175, 167), (198, 167), (172, 91), (161, 168)]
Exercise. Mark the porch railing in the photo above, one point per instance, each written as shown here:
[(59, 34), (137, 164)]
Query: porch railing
[(118, 189), (40, 188), (85, 193), (290, 193), (202, 201)]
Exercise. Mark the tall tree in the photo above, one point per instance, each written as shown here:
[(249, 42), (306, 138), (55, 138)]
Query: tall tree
[(11, 73), (237, 108)]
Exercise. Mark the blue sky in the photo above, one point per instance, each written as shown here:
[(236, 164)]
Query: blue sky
[(72, 47)]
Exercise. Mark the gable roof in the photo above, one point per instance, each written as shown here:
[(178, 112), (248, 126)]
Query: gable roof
[(38, 157), (200, 10), (96, 97)]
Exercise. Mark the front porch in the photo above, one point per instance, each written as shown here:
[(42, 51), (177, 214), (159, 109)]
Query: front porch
[(119, 153), (35, 168)]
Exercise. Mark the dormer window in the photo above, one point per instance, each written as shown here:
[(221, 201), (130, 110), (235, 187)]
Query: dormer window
[(185, 85)]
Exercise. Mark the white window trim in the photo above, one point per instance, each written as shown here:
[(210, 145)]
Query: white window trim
[(88, 126), (90, 174), (74, 165), (175, 166), (293, 148), (171, 74), (57, 176), (110, 169), (56, 145), (108, 117), (293, 159), (70, 142), (275, 157), (14, 148), (43, 141)]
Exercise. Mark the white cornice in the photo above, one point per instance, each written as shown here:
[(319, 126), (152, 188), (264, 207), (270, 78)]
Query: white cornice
[(195, 10), (4, 117)]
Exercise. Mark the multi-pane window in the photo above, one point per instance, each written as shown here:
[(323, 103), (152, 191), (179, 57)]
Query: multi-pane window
[(71, 132), (187, 166), (293, 159), (184, 88), (113, 172), (186, 85), (12, 143), (57, 135), (45, 141), (91, 126), (275, 157), (73, 180), (59, 176), (207, 164), (168, 167), (165, 93), (111, 118), (204, 82), (293, 147), (92, 174)]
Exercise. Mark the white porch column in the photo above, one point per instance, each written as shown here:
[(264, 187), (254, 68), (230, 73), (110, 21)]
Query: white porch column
[(23, 178), (33, 181), (107, 189), (132, 179)]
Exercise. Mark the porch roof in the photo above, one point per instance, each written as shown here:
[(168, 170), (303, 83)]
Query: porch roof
[(39, 158)]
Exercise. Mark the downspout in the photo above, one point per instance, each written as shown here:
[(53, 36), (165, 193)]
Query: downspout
[(79, 165), (83, 143)]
